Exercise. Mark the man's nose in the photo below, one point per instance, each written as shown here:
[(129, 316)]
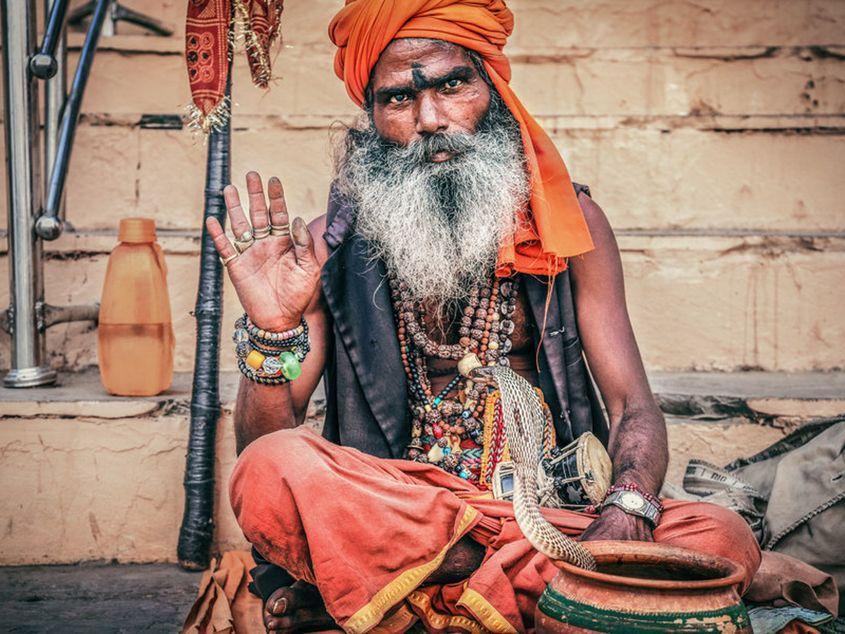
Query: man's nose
[(429, 117)]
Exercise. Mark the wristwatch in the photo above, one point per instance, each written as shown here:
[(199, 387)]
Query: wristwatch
[(635, 503)]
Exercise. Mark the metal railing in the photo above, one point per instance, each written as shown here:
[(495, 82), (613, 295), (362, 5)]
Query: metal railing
[(30, 222)]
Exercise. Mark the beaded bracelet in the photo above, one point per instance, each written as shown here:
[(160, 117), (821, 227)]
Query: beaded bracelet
[(284, 344), (274, 339), (267, 357), (299, 349), (258, 378), (246, 332)]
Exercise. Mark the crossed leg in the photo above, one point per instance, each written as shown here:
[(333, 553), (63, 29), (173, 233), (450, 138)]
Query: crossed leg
[(367, 532)]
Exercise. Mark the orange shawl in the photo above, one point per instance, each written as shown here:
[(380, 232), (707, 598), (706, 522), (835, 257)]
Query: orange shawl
[(364, 28)]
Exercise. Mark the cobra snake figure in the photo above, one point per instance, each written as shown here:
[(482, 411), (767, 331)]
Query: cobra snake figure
[(523, 416)]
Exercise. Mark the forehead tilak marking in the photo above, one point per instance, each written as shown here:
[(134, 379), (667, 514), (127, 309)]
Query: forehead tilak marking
[(420, 81)]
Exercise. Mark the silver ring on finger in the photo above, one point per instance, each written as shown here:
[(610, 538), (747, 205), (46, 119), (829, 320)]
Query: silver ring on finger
[(261, 233), (243, 245), (244, 242), (225, 261), (279, 230)]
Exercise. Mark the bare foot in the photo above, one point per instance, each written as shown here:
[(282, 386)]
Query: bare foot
[(297, 608)]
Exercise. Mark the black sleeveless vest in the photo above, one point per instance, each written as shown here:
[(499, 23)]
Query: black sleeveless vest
[(366, 390)]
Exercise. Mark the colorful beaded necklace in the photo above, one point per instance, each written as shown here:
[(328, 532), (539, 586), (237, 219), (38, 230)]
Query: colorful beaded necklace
[(447, 429)]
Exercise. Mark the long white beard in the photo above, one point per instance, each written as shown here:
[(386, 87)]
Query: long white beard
[(437, 226)]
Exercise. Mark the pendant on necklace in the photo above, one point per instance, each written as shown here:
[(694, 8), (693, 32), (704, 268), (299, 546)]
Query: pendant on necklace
[(435, 454), (468, 363)]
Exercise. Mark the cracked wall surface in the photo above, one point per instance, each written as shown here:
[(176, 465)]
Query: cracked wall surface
[(101, 489), (95, 489)]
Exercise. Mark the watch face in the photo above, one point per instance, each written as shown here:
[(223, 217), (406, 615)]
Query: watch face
[(632, 501)]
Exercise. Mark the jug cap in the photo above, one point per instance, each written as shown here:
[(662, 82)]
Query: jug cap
[(137, 230)]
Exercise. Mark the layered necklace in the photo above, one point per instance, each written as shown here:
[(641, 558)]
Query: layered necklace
[(448, 428)]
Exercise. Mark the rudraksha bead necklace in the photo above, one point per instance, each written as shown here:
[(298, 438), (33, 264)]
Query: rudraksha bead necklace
[(447, 428)]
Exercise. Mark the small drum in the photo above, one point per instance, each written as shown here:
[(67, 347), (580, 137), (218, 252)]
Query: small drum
[(580, 473), (575, 476)]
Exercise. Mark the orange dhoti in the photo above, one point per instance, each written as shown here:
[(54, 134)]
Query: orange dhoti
[(368, 531)]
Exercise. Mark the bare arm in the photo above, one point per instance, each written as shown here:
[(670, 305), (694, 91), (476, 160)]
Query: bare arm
[(277, 280), (262, 409), (638, 443)]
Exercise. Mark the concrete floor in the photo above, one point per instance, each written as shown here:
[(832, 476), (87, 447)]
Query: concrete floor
[(95, 598)]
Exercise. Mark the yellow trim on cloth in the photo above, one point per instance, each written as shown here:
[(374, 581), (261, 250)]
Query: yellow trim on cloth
[(371, 614), (489, 616), (439, 621), (397, 623)]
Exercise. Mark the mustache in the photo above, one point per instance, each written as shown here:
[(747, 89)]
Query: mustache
[(422, 150)]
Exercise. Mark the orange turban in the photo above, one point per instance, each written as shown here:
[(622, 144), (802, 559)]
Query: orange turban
[(364, 28)]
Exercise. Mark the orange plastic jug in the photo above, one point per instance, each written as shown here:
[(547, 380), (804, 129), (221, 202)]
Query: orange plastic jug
[(135, 331)]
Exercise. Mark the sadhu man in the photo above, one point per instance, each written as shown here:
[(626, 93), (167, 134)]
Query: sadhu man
[(452, 227)]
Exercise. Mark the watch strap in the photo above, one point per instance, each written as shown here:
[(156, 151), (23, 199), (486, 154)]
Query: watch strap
[(647, 510)]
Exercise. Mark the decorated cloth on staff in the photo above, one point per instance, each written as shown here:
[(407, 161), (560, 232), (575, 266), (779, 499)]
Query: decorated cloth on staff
[(210, 30)]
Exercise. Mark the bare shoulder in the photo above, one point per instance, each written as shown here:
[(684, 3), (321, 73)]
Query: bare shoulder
[(317, 228), (600, 268), (597, 221)]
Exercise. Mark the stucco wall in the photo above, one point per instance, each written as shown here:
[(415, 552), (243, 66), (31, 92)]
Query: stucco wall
[(106, 482), (710, 132), (92, 488)]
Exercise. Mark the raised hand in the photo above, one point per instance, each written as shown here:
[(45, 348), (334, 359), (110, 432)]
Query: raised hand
[(277, 274)]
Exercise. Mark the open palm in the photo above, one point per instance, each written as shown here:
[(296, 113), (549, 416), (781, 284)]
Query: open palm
[(276, 276)]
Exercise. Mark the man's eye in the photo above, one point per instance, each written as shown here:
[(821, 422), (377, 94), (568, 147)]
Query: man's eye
[(452, 83), (400, 98)]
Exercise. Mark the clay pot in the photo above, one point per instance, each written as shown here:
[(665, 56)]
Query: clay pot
[(644, 587)]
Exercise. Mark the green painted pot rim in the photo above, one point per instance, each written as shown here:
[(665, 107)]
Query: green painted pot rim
[(583, 615)]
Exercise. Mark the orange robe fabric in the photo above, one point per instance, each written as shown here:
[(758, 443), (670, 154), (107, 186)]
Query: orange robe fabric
[(368, 531), (363, 29)]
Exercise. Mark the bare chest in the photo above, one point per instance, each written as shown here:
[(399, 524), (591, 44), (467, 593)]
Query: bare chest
[(521, 355)]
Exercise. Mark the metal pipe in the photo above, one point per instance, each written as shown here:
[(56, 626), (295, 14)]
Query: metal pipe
[(119, 13), (65, 314), (26, 296), (197, 527), (44, 64), (110, 24), (55, 93), (48, 226)]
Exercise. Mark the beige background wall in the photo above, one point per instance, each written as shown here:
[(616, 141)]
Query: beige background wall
[(711, 132)]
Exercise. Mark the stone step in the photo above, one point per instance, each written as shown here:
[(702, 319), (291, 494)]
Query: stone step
[(699, 302), (648, 176), (88, 476), (598, 23), (721, 417), (551, 80)]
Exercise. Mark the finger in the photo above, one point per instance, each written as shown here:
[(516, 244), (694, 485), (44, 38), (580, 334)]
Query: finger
[(258, 213), (240, 224), (218, 236), (303, 244), (278, 206)]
